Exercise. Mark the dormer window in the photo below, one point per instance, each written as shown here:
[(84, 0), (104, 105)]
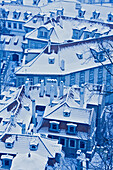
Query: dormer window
[(7, 40), (75, 34), (71, 128), (16, 14), (98, 56), (26, 15), (96, 15), (9, 142), (43, 33), (66, 112), (34, 145), (110, 17), (60, 12), (5, 13), (6, 161), (51, 60), (35, 2), (54, 126), (81, 13)]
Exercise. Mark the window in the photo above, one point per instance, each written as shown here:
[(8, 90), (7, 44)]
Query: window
[(9, 24), (100, 75), (110, 18), (87, 35), (20, 26), (40, 33), (15, 25), (54, 126), (6, 162), (34, 3), (72, 79), (45, 34), (80, 14), (72, 143), (82, 145), (108, 78), (66, 113), (31, 81), (71, 128), (82, 78), (91, 76), (8, 144), (20, 81), (15, 16), (62, 141)]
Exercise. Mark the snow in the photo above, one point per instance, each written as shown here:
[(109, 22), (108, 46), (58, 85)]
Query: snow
[(35, 161), (10, 40), (62, 133), (46, 148), (6, 157), (77, 115), (41, 66)]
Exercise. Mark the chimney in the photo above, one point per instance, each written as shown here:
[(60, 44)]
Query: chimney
[(23, 128), (42, 88), (27, 87), (55, 87), (51, 94), (48, 85), (12, 119), (49, 46), (33, 112), (82, 95), (62, 65), (61, 89)]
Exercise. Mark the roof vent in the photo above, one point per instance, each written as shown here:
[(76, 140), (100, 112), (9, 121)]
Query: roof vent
[(79, 55)]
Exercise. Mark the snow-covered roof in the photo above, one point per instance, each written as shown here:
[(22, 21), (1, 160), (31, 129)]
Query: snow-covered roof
[(46, 147), (12, 43), (19, 8), (41, 66), (77, 115), (29, 161), (65, 28)]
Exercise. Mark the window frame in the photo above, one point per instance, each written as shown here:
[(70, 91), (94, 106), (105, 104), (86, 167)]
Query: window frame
[(64, 141), (9, 24), (20, 26), (14, 25), (52, 123), (74, 143), (71, 126), (84, 143)]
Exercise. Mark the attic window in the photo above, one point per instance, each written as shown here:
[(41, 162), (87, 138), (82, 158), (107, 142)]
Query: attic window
[(34, 20), (66, 113), (16, 41), (7, 40)]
